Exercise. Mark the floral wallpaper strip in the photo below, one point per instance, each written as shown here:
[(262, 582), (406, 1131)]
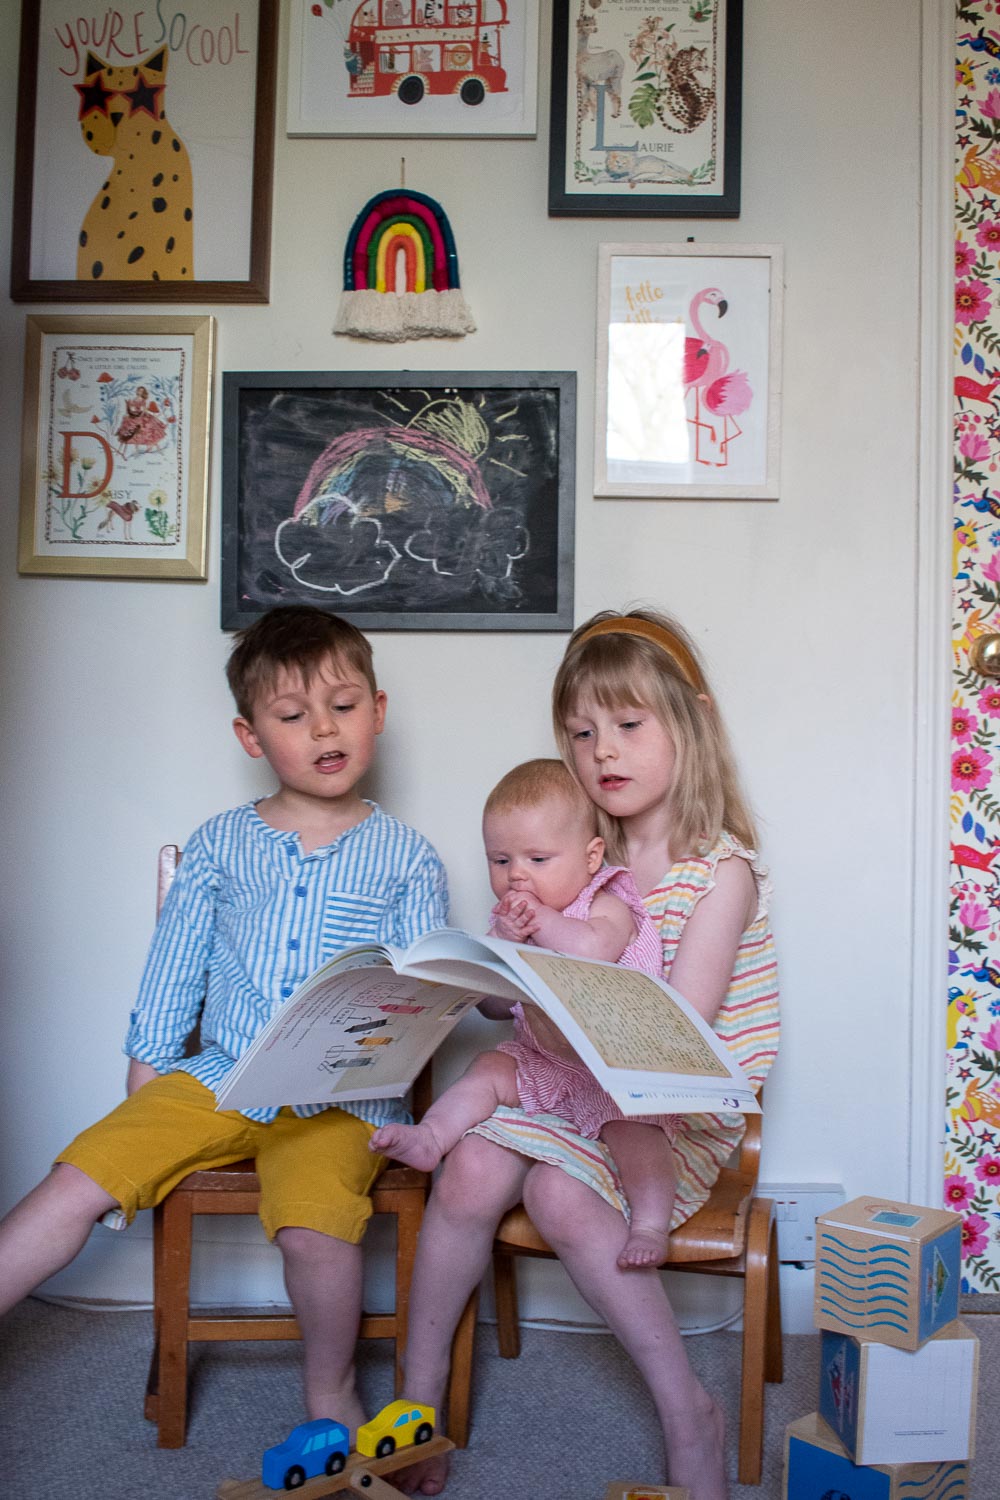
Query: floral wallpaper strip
[(972, 1160)]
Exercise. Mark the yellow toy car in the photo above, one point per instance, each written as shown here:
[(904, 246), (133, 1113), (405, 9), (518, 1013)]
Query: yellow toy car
[(396, 1426)]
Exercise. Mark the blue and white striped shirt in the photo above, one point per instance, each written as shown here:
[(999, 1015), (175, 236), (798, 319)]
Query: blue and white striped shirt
[(249, 917)]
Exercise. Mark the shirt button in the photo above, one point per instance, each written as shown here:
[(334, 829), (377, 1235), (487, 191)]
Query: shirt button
[(286, 990), (300, 890), (293, 942)]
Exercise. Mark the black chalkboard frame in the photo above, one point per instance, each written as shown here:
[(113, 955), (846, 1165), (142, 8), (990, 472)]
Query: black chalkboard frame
[(279, 427)]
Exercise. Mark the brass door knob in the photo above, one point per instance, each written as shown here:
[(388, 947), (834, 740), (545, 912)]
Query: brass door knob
[(984, 657)]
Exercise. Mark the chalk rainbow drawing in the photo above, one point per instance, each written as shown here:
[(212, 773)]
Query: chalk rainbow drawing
[(402, 236)]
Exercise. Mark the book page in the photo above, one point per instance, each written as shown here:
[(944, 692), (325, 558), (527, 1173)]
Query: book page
[(629, 1019), (360, 1033), (451, 956)]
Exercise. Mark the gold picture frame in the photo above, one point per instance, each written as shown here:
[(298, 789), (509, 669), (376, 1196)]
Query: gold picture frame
[(115, 446)]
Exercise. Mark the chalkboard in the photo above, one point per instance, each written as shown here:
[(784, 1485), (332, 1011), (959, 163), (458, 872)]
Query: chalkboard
[(400, 501)]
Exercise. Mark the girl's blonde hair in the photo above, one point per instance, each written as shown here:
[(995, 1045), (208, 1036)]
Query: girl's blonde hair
[(651, 662)]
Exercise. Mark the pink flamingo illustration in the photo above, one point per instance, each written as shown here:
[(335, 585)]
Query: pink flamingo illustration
[(726, 394)]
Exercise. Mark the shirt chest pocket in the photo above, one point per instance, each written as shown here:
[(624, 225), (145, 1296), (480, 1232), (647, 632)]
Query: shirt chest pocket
[(350, 918)]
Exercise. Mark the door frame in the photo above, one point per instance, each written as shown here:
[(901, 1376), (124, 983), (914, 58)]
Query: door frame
[(932, 626)]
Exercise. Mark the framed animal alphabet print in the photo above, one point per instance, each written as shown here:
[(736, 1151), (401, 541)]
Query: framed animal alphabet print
[(646, 108), (688, 372), (145, 138), (115, 443)]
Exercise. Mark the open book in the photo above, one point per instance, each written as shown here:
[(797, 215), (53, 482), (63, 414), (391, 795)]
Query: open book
[(363, 1026)]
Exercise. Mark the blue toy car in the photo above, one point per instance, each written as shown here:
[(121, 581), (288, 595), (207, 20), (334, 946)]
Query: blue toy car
[(312, 1448)]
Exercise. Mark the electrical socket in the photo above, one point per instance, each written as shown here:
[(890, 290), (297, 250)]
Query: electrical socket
[(797, 1207)]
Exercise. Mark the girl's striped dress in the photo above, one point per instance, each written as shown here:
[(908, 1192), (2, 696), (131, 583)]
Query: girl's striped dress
[(747, 1021)]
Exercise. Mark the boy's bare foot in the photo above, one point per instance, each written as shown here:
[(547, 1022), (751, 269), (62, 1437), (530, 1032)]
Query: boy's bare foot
[(413, 1145), (646, 1246), (428, 1477)]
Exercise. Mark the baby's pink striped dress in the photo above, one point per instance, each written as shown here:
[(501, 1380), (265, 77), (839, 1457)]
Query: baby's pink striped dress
[(551, 1084), (747, 1022)]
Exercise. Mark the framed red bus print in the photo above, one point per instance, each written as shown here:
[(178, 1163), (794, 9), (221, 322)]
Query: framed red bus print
[(413, 67)]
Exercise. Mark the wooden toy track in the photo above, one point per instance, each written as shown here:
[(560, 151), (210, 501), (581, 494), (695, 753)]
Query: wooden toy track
[(360, 1476)]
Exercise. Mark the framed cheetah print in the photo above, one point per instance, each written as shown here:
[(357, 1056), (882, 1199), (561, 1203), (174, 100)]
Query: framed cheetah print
[(645, 109), (115, 445), (144, 153)]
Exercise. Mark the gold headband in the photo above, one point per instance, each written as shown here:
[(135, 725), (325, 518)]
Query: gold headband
[(648, 631)]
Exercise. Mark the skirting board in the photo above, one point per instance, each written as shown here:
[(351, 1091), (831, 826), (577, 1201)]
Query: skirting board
[(238, 1266)]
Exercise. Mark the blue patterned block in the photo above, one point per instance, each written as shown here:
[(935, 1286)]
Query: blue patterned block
[(818, 1467), (888, 1271)]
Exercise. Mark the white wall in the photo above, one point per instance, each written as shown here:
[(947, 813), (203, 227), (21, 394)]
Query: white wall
[(115, 721)]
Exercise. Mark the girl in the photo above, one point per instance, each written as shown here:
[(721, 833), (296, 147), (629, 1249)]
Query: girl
[(545, 859), (636, 725), (140, 425)]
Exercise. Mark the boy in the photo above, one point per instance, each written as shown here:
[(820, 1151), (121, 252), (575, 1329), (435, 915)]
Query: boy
[(264, 894)]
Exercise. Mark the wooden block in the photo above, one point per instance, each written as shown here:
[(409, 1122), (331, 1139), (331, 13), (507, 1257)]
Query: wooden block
[(622, 1490), (901, 1406), (887, 1271), (817, 1465)]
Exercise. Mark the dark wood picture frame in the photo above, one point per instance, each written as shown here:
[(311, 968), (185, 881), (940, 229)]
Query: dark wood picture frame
[(256, 287), (724, 204), (402, 501)]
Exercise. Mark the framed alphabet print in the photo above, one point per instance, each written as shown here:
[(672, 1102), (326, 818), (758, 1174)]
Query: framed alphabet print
[(402, 501), (646, 108), (688, 372), (115, 443), (145, 138)]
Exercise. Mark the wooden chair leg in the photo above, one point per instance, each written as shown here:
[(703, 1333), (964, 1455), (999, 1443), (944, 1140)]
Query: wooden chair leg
[(460, 1379), (172, 1340), (774, 1359), (151, 1404), (505, 1295), (409, 1215), (754, 1339)]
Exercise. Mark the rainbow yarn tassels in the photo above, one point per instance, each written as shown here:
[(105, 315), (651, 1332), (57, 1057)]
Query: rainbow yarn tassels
[(396, 225)]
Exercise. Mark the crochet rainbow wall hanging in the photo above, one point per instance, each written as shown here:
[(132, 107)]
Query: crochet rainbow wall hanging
[(402, 239)]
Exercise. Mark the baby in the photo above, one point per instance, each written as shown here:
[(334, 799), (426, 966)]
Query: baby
[(545, 860)]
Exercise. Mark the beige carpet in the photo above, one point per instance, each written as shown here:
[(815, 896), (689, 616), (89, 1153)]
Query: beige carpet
[(558, 1423)]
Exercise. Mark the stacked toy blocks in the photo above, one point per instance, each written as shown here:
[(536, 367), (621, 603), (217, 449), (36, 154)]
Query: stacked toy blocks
[(898, 1372)]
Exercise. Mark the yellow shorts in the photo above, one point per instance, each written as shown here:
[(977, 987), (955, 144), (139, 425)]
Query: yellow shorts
[(316, 1173)]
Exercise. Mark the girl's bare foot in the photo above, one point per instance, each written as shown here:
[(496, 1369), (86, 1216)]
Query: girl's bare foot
[(696, 1455), (413, 1145), (428, 1477), (646, 1246)]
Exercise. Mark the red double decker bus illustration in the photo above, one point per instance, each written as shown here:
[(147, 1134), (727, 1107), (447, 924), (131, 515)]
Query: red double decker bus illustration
[(415, 47)]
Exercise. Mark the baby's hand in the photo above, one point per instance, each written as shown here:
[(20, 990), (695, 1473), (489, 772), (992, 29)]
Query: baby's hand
[(515, 918)]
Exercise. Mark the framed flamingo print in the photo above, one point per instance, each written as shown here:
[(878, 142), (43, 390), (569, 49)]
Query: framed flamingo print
[(688, 372)]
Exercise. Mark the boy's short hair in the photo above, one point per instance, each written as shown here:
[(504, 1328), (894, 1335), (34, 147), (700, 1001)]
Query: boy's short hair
[(537, 781), (293, 637)]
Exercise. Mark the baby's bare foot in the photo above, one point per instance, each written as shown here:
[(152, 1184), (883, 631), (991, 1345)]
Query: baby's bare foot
[(646, 1246), (413, 1145), (428, 1477)]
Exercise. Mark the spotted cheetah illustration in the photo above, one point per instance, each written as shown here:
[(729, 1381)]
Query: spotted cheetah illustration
[(140, 226)]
